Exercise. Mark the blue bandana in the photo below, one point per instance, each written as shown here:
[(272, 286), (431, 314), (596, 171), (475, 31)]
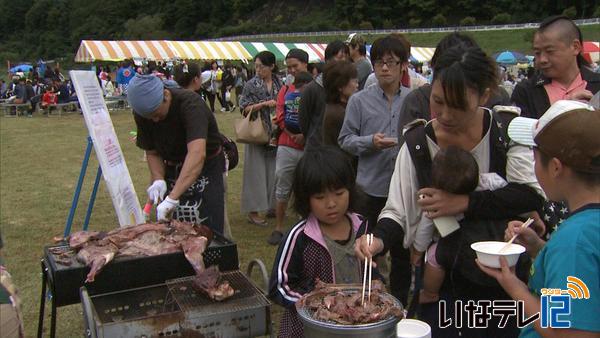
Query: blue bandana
[(144, 94)]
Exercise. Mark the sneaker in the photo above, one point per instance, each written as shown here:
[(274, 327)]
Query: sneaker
[(275, 238), (223, 110)]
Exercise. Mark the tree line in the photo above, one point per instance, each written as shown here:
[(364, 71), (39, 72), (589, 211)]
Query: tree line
[(32, 29)]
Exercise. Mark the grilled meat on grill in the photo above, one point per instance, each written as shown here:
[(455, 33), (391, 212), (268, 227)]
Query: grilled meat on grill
[(193, 248), (120, 237), (149, 243), (96, 249), (327, 303), (79, 238), (209, 282), (96, 256)]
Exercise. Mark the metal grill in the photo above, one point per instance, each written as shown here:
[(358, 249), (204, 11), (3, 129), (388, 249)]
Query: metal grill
[(137, 304), (247, 295)]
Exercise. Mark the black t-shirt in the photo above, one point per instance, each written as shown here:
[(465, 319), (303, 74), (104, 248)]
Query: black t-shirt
[(188, 119)]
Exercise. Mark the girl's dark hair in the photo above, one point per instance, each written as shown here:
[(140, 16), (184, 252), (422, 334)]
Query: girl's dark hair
[(268, 59), (333, 48), (452, 40), (185, 73), (460, 68), (321, 169), (315, 65), (336, 75)]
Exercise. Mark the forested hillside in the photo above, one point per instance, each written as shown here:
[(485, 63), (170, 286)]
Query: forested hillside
[(54, 28)]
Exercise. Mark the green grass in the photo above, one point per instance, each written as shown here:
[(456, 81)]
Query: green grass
[(40, 159), (490, 41)]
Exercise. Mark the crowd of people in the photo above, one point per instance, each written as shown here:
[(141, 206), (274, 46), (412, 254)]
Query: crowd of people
[(371, 146), (365, 146), (33, 90)]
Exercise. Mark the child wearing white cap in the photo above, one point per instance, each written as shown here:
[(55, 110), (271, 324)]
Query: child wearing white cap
[(567, 164)]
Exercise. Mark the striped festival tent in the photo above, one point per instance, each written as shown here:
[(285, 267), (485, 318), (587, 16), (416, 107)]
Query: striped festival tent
[(119, 50), (102, 50), (159, 50), (209, 50), (417, 54), (316, 51)]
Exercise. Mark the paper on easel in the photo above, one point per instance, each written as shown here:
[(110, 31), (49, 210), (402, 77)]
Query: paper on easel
[(107, 148), (446, 225)]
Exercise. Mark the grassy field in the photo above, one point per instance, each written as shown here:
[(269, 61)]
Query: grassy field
[(40, 159), (490, 41)]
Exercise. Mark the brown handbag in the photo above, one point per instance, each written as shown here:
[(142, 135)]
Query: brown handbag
[(251, 129)]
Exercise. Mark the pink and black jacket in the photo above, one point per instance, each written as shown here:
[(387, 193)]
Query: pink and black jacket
[(303, 257)]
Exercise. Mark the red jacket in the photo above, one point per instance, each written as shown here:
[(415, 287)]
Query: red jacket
[(49, 98), (284, 138)]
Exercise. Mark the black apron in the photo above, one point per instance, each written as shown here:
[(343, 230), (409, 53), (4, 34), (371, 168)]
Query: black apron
[(203, 201)]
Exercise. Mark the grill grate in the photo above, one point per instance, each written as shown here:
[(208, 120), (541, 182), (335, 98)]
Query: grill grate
[(247, 295), (134, 304)]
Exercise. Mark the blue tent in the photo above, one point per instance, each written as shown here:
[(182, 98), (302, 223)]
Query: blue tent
[(510, 58), (25, 68)]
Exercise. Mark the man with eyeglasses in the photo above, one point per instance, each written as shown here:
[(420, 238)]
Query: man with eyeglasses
[(370, 126)]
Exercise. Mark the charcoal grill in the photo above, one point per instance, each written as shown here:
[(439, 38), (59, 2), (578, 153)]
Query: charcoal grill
[(176, 309), (123, 273)]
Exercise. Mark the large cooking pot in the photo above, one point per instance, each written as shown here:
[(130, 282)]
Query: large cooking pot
[(318, 329)]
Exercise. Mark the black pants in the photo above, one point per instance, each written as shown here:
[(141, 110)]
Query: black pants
[(203, 201), (224, 102), (400, 271), (211, 99)]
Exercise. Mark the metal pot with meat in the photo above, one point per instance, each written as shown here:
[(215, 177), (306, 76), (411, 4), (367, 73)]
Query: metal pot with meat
[(339, 311)]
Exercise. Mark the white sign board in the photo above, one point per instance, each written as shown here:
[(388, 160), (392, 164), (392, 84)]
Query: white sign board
[(107, 147)]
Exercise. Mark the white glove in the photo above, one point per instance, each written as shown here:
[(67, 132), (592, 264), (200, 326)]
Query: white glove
[(164, 211), (156, 192)]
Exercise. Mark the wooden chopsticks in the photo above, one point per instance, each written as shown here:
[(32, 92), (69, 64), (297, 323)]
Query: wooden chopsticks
[(523, 226), (367, 270)]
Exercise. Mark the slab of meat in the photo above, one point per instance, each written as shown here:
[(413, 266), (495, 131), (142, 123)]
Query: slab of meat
[(96, 249), (79, 238), (331, 303), (96, 257), (209, 282), (149, 243), (193, 248), (121, 236)]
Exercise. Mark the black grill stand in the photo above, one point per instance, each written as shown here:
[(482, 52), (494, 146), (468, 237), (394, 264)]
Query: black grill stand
[(45, 280)]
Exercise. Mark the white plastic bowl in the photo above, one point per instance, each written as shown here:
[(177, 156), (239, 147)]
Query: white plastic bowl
[(488, 253), (412, 328)]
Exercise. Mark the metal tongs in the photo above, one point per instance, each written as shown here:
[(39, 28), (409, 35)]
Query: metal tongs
[(368, 269)]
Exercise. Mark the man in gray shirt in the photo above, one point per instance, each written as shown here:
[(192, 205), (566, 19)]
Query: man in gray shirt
[(370, 125), (358, 53), (370, 131)]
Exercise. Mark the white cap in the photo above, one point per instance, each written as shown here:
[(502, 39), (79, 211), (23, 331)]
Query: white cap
[(524, 130), (205, 76)]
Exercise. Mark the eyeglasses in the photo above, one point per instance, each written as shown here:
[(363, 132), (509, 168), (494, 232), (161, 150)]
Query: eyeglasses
[(388, 63)]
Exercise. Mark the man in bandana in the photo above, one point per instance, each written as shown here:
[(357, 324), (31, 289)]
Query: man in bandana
[(184, 151)]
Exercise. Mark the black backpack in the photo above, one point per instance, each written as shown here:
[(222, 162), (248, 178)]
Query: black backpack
[(454, 251)]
